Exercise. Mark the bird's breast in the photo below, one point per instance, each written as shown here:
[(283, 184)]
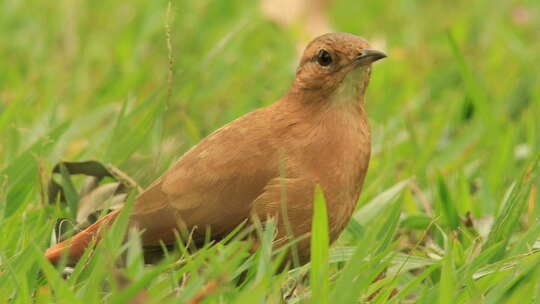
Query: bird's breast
[(344, 155), (334, 150)]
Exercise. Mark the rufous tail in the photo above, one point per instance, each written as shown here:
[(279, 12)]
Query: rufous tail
[(76, 245)]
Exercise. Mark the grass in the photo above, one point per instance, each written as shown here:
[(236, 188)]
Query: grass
[(450, 207)]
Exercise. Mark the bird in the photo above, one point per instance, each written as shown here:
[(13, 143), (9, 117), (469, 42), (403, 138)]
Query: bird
[(267, 163)]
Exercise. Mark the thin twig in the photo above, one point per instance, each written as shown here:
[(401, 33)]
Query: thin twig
[(169, 54), (170, 79)]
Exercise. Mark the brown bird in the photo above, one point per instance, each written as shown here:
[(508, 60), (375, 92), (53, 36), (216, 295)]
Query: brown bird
[(267, 161)]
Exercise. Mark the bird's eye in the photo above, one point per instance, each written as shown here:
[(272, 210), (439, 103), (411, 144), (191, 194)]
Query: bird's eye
[(324, 58)]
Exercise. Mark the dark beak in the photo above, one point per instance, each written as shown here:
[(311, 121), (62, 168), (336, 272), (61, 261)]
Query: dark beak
[(370, 55)]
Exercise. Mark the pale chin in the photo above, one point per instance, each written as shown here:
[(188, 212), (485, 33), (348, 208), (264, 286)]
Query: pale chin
[(352, 86)]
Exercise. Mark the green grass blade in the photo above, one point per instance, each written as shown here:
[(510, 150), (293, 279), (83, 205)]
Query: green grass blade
[(319, 250)]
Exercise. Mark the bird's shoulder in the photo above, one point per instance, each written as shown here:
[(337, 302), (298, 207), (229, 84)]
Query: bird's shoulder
[(237, 155), (221, 159)]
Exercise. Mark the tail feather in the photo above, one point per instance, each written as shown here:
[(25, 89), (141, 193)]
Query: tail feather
[(77, 244)]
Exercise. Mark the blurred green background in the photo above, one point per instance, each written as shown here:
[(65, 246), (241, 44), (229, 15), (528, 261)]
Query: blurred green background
[(467, 106), (456, 105)]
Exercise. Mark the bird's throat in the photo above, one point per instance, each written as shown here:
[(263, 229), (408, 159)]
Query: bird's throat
[(351, 90)]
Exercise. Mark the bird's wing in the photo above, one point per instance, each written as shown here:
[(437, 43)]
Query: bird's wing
[(214, 183), (288, 199), (290, 202)]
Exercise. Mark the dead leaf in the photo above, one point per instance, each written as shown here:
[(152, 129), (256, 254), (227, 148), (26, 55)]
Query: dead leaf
[(95, 196)]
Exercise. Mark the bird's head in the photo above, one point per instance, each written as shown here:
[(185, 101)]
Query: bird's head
[(336, 66)]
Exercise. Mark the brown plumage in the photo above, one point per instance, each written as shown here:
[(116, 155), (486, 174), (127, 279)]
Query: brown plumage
[(317, 133)]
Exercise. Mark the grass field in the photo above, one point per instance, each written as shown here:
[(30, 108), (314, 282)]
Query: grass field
[(450, 208)]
